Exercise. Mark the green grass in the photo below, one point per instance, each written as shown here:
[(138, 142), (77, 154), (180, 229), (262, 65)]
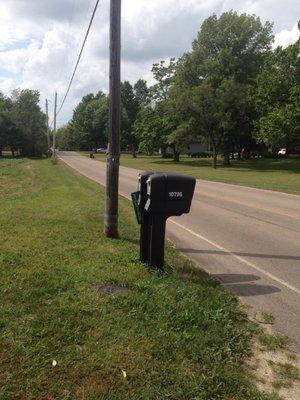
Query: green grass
[(177, 335), (274, 342), (274, 174)]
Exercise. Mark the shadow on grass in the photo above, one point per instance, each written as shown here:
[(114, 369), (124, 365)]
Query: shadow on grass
[(43, 158), (190, 273), (10, 157)]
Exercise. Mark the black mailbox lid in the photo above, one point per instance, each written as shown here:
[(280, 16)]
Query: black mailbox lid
[(170, 193)]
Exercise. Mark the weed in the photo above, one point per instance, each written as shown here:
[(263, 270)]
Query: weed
[(268, 318), (273, 342), (54, 160)]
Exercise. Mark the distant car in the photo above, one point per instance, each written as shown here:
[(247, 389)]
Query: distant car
[(101, 150), (282, 152)]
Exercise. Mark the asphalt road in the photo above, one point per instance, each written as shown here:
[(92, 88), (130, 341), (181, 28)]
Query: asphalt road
[(248, 238)]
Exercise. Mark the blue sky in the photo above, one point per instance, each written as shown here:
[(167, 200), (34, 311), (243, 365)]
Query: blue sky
[(40, 40)]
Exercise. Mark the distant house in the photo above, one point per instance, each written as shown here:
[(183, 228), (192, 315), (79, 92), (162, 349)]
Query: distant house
[(196, 147), (192, 148)]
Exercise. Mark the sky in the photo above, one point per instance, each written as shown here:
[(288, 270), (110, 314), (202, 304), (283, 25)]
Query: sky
[(40, 40)]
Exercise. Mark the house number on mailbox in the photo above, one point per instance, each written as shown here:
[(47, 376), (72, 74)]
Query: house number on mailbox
[(175, 194)]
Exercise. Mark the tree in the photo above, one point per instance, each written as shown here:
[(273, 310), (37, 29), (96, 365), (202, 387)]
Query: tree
[(15, 138), (277, 128), (3, 137), (203, 105), (226, 55), (64, 138), (164, 75), (153, 124), (179, 129), (89, 123), (141, 93), (151, 128), (237, 109), (130, 109), (277, 99), (231, 46), (11, 135), (26, 114)]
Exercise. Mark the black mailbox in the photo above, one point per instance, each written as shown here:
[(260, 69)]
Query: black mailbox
[(167, 195), (145, 217)]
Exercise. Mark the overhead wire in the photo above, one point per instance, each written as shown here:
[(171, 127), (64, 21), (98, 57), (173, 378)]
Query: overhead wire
[(79, 39), (67, 31), (79, 58)]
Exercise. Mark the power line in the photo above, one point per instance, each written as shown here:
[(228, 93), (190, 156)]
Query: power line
[(79, 57)]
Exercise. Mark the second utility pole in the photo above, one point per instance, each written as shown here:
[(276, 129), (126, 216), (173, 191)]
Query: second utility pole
[(113, 157), (54, 125), (47, 122)]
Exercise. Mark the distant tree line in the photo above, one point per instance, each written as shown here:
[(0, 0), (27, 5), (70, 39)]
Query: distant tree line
[(88, 128), (231, 91), (22, 124)]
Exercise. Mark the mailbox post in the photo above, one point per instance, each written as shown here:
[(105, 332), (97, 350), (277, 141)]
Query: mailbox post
[(167, 195)]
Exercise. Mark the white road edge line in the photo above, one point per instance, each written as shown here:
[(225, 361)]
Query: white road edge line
[(243, 260)]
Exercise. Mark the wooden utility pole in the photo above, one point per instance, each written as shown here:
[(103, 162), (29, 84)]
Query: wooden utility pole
[(113, 157), (54, 125), (47, 123)]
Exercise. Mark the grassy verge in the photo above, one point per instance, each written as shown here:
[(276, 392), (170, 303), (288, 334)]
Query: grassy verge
[(176, 335), (273, 174)]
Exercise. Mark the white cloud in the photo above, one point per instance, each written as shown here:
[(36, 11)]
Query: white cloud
[(284, 13), (286, 37), (7, 84), (40, 40), (9, 34)]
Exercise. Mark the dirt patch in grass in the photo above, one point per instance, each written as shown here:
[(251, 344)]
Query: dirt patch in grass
[(276, 372), (110, 288), (275, 367)]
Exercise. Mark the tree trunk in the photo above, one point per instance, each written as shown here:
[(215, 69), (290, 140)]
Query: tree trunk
[(13, 153), (226, 161), (133, 151), (163, 151), (232, 152), (215, 155), (1, 154), (176, 154)]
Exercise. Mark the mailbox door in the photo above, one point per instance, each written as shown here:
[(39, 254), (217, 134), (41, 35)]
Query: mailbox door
[(179, 193)]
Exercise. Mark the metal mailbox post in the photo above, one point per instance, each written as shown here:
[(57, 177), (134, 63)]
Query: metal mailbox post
[(167, 195)]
